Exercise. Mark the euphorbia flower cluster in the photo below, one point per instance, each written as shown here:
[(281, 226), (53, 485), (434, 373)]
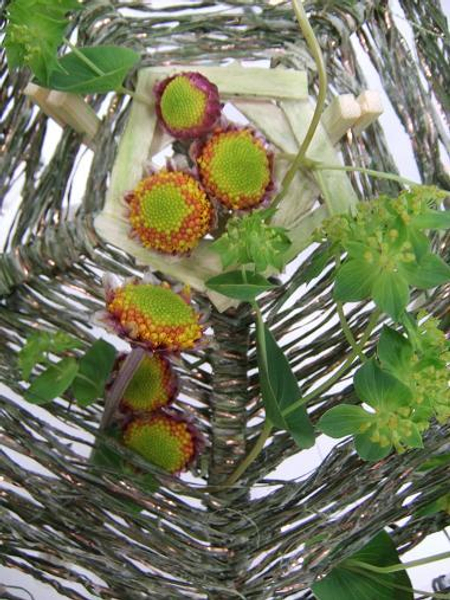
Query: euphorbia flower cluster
[(402, 391), (170, 211)]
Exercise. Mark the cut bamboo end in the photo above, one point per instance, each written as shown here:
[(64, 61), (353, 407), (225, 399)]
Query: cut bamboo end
[(66, 109), (371, 108), (342, 114)]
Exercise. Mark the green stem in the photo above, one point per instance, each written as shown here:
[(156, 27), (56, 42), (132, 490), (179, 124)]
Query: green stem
[(251, 456), (344, 368), (399, 567), (265, 433), (348, 332), (267, 428), (344, 323), (84, 58), (395, 586), (316, 52), (371, 172)]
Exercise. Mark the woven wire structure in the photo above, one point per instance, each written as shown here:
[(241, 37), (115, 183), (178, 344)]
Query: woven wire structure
[(78, 527)]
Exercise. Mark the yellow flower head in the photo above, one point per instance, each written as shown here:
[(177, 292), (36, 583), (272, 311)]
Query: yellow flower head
[(153, 316), (188, 105), (152, 386), (235, 168), (164, 440), (169, 212)]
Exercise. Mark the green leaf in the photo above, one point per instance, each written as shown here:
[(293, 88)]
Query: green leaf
[(356, 250), (53, 382), (379, 388), (435, 462), (235, 285), (391, 293), (432, 219), (439, 505), (395, 352), (98, 69), (34, 33), (419, 241), (61, 342), (318, 263), (343, 420), (41, 343), (251, 240), (229, 253), (279, 389), (354, 281), (94, 369), (414, 439), (430, 272), (347, 582), (368, 450), (34, 352)]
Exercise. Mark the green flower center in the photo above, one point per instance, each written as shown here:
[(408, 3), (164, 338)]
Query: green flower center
[(159, 304), (164, 207), (146, 390), (162, 441), (182, 104), (239, 166)]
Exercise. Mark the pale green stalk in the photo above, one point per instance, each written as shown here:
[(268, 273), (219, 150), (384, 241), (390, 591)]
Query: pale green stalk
[(371, 172), (344, 323), (251, 456), (316, 53), (344, 368), (399, 567)]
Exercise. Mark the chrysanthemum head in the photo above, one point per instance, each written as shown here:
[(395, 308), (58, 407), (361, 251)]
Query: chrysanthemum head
[(169, 212), (153, 316), (187, 104), (236, 168), (164, 440), (153, 385)]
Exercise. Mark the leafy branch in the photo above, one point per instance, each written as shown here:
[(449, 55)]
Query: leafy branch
[(85, 377), (35, 37)]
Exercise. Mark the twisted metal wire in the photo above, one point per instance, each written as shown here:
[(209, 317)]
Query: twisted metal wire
[(65, 520)]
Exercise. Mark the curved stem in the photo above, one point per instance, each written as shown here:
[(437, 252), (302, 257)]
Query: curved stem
[(344, 323), (127, 370), (266, 430), (251, 456), (371, 172), (394, 586), (316, 52), (134, 96), (344, 368), (265, 433), (348, 332), (401, 566)]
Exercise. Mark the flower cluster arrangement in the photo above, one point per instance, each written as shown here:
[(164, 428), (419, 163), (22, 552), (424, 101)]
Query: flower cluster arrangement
[(164, 438), (157, 320), (381, 254), (171, 210)]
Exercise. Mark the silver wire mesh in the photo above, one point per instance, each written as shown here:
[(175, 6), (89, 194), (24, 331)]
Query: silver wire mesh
[(66, 521)]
